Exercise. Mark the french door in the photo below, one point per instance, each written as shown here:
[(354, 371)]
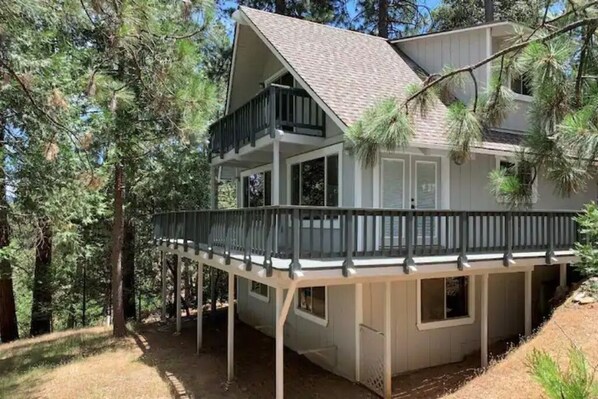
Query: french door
[(409, 182)]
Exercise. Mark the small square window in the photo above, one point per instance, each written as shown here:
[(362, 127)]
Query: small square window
[(445, 299), (312, 300), (259, 290), (520, 85)]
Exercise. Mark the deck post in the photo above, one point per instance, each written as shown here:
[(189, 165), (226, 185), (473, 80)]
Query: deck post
[(282, 310), (528, 302), (508, 256), (563, 275), (179, 260), (550, 257), (484, 321), (387, 341), (462, 261), (164, 285), (231, 327), (213, 188), (199, 306), (348, 263), (295, 266), (275, 172), (408, 263)]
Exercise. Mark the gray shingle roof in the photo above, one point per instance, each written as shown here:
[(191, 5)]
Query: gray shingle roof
[(349, 71)]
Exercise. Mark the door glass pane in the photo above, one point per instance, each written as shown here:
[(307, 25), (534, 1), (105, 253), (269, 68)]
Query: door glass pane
[(393, 192), (256, 190), (332, 180), (295, 184), (425, 181), (312, 182), (268, 188)]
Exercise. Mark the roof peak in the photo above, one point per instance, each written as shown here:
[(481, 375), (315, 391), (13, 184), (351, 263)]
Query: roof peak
[(243, 8)]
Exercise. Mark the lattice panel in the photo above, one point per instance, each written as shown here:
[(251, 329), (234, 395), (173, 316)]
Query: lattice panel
[(372, 359)]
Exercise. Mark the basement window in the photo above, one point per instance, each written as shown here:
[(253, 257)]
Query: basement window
[(259, 291), (312, 304), (445, 302), (520, 85)]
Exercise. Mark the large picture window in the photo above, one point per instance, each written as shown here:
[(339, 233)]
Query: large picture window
[(315, 182), (445, 302), (257, 189)]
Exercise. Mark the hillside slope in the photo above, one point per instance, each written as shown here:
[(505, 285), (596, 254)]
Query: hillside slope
[(509, 377)]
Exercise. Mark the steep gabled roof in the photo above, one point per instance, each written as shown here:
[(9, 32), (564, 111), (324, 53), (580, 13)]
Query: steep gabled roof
[(348, 72)]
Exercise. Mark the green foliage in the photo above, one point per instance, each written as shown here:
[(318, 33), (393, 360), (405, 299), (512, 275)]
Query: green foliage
[(453, 14), (586, 249), (383, 127), (513, 186), (464, 130), (577, 382)]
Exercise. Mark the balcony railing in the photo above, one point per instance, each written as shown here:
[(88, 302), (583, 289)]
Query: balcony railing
[(292, 232), (275, 107)]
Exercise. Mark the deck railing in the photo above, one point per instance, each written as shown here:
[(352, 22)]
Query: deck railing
[(294, 232), (276, 107)]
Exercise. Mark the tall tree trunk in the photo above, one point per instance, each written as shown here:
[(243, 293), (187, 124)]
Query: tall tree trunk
[(84, 296), (9, 330), (129, 269), (383, 18), (280, 7), (41, 305), (118, 227)]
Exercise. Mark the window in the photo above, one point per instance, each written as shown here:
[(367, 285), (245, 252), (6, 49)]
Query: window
[(259, 291), (315, 182), (445, 302), (311, 303), (520, 85), (257, 189)]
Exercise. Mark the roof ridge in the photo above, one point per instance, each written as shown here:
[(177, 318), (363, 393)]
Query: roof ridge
[(241, 7)]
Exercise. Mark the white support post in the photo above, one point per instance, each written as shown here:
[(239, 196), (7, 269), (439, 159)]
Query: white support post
[(528, 302), (484, 321), (563, 275), (282, 310), (231, 327), (164, 285), (199, 306), (358, 322), (387, 342), (276, 172), (179, 261)]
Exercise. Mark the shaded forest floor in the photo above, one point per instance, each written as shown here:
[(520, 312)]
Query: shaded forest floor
[(154, 363)]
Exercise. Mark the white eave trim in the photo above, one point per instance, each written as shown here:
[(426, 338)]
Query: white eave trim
[(450, 32), (236, 17)]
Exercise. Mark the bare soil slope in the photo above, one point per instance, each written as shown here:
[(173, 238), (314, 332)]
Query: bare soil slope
[(509, 378)]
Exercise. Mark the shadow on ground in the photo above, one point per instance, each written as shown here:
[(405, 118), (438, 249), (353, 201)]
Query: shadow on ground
[(193, 376)]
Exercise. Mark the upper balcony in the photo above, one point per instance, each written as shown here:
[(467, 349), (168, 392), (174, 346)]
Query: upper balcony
[(255, 123)]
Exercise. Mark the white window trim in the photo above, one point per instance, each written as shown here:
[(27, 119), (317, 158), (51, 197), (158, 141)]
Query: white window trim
[(308, 156), (249, 172), (461, 321), (255, 294), (310, 316), (500, 159)]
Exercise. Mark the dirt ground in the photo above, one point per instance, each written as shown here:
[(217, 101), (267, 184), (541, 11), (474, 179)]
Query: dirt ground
[(155, 363)]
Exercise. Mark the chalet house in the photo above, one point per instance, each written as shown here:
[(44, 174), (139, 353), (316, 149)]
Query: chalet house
[(368, 272)]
